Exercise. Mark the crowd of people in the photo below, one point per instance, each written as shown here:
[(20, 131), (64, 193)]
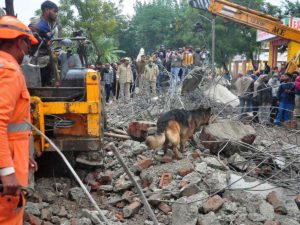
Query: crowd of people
[(272, 95), (145, 74)]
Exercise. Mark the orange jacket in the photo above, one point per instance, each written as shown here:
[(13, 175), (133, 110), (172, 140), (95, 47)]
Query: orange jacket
[(14, 109)]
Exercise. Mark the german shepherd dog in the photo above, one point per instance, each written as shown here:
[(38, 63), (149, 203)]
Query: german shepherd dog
[(177, 127)]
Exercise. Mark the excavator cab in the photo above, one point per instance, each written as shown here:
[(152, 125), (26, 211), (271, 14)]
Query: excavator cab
[(69, 111)]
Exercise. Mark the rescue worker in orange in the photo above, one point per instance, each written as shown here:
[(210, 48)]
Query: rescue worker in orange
[(15, 41)]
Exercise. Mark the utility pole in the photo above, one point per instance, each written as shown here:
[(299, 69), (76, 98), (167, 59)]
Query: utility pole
[(213, 45), (9, 7)]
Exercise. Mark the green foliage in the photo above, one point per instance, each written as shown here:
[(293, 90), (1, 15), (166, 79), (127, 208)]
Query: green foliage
[(98, 19), (292, 8)]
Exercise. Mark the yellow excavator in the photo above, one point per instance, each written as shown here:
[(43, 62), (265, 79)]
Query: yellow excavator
[(252, 18)]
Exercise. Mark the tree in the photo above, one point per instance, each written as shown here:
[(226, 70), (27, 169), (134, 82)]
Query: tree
[(291, 8), (97, 18)]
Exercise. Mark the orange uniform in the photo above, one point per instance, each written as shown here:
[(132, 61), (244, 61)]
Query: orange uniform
[(14, 135)]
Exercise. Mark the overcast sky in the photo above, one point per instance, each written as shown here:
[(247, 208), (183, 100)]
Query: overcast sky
[(25, 8)]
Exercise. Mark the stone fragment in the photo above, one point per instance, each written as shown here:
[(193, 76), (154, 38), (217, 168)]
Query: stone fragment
[(167, 159), (129, 210), (213, 204), (214, 163), (106, 188), (209, 219), (33, 208), (84, 221), (164, 207), (128, 195), (45, 214), (76, 193), (122, 184), (192, 178), (238, 162), (217, 180), (256, 217), (189, 190), (201, 167), (288, 221), (187, 214), (48, 196), (271, 222), (154, 199), (267, 210), (216, 134), (106, 177), (165, 179), (63, 212), (92, 215)]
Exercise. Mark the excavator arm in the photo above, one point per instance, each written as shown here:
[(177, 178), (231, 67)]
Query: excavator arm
[(249, 17)]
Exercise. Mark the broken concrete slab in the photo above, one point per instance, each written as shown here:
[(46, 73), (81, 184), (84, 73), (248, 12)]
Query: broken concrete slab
[(185, 212), (215, 135), (215, 163), (267, 210), (238, 162), (217, 180)]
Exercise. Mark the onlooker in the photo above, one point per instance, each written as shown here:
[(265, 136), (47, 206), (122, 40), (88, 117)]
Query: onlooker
[(187, 62), (197, 57), (264, 99), (107, 79), (267, 69), (286, 97), (228, 76), (297, 96), (151, 73), (176, 60), (125, 77), (140, 69), (244, 86), (274, 82)]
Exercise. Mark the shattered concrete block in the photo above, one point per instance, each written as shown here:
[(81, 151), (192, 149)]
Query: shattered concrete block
[(209, 219), (189, 190), (187, 214), (220, 132), (267, 210), (238, 162), (139, 129), (122, 184), (76, 193), (154, 199), (131, 209), (192, 178), (214, 163), (274, 200), (201, 167), (165, 180), (213, 204), (217, 180)]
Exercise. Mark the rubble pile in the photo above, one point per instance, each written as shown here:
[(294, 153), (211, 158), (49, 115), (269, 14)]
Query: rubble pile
[(235, 174)]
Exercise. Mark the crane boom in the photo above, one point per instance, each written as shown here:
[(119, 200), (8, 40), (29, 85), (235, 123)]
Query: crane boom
[(249, 17)]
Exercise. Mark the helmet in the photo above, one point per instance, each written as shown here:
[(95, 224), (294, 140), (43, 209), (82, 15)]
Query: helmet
[(11, 27)]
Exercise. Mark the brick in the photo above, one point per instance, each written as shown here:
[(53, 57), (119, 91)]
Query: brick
[(144, 164), (185, 171), (213, 204), (165, 207), (167, 159), (94, 185), (128, 196), (120, 216), (196, 154), (139, 129), (274, 200), (131, 209), (34, 220), (165, 180)]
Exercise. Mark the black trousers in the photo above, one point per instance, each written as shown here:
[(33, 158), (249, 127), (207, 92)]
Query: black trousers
[(107, 92)]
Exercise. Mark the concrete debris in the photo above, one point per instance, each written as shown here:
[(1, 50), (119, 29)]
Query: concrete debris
[(218, 134), (238, 162), (217, 180), (76, 193), (209, 219), (267, 210), (129, 210)]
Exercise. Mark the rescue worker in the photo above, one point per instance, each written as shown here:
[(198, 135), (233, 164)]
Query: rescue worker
[(15, 41)]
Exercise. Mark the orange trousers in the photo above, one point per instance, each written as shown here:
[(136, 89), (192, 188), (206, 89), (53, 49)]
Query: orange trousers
[(12, 207)]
